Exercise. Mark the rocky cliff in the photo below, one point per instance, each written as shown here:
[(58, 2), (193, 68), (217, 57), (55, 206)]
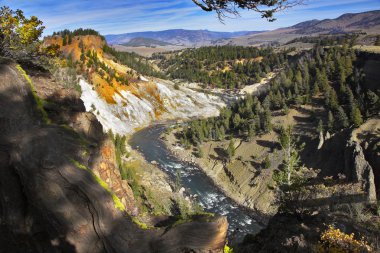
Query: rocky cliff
[(151, 101), (342, 202), (55, 198), (122, 99), (359, 170)]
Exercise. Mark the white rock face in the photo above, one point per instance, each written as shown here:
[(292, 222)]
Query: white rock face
[(133, 112)]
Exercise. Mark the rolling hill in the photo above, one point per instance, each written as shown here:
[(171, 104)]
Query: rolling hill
[(365, 22), (178, 37), (145, 42), (368, 22)]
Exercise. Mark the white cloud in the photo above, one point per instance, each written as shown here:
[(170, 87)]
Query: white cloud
[(120, 16)]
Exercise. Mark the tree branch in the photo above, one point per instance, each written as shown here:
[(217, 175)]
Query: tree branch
[(265, 7), (203, 7)]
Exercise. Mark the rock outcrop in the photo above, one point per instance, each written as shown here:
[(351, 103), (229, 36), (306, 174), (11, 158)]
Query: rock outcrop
[(158, 100), (104, 166), (358, 169), (293, 233), (321, 140)]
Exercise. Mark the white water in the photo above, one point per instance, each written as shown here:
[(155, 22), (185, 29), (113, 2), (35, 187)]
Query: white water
[(195, 182), (131, 112)]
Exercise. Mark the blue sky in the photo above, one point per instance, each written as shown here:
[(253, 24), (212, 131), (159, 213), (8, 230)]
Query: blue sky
[(122, 16)]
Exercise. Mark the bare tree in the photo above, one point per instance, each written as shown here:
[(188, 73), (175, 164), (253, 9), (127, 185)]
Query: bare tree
[(266, 8)]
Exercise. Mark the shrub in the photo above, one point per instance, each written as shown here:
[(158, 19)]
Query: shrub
[(227, 249), (266, 163), (334, 240)]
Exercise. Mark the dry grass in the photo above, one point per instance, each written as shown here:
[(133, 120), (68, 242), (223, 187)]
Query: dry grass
[(372, 49), (245, 178), (147, 51)]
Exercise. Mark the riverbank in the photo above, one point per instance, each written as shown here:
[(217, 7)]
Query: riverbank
[(237, 180), (196, 184)]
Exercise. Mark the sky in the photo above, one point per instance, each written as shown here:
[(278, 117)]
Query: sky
[(123, 16)]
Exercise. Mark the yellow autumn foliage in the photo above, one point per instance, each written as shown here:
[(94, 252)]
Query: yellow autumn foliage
[(335, 241), (18, 32)]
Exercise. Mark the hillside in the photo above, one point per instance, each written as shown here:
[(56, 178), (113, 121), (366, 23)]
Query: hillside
[(316, 94), (227, 67), (366, 22), (145, 42), (147, 51), (123, 99), (179, 37)]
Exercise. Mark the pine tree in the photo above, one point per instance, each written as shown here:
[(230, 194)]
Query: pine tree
[(251, 132), (341, 118), (356, 116), (236, 121), (64, 40), (285, 109), (230, 150), (298, 78), (296, 90), (266, 121), (266, 163), (320, 127), (321, 79), (70, 39), (315, 89), (331, 99), (199, 152), (289, 95), (222, 133), (348, 96), (330, 121)]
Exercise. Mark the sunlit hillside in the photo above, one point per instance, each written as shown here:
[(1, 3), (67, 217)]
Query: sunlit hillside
[(121, 93)]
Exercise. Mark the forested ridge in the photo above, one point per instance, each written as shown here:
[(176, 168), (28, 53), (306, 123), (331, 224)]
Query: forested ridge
[(68, 35), (328, 40), (134, 61), (331, 74), (222, 66)]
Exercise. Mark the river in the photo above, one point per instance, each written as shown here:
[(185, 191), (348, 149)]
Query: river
[(195, 182)]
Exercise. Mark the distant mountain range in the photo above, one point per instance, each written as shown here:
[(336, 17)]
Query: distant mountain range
[(360, 22), (365, 22), (146, 42), (179, 37)]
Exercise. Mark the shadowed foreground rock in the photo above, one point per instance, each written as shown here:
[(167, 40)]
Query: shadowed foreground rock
[(51, 202), (289, 233)]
